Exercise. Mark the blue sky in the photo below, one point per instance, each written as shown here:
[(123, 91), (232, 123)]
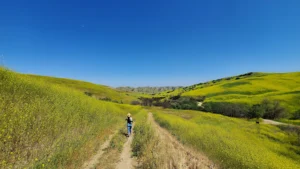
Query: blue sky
[(149, 42)]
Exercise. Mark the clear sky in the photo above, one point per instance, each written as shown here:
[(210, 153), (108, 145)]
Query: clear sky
[(149, 42)]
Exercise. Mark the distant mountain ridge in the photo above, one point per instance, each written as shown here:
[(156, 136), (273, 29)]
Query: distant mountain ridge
[(148, 89)]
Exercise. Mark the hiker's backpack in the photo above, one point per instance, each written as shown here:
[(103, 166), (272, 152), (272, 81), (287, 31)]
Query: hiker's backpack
[(129, 120)]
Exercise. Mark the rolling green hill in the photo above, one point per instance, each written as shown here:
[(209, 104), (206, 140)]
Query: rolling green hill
[(249, 88), (100, 92)]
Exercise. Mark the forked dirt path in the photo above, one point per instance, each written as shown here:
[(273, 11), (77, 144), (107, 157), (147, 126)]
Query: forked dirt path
[(94, 160), (181, 156), (126, 160), (177, 155)]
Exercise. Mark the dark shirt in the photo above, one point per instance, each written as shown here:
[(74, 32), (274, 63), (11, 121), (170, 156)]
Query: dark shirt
[(128, 120)]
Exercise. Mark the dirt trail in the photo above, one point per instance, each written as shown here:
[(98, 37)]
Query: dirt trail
[(181, 157), (266, 121), (273, 122), (126, 161), (178, 155), (94, 160)]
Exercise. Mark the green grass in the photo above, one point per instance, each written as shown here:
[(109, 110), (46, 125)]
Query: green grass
[(232, 142), (49, 125), (251, 89), (235, 84), (294, 122), (97, 91), (146, 144), (143, 134)]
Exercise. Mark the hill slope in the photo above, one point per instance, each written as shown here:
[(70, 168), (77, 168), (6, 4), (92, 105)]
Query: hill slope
[(231, 142), (43, 125), (249, 88), (100, 92)]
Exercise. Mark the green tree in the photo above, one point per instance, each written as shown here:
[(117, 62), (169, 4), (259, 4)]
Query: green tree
[(257, 111), (272, 109)]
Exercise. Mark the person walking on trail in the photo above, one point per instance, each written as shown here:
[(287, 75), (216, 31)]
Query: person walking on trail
[(129, 124)]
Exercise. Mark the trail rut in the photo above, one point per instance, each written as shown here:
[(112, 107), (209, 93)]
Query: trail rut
[(94, 160), (126, 160)]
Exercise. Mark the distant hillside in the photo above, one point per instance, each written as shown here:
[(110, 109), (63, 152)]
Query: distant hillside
[(100, 92), (148, 90), (248, 88)]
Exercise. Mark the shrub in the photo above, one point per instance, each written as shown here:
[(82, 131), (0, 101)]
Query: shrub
[(187, 103), (272, 109), (296, 115), (105, 99), (166, 104), (256, 111), (88, 94), (135, 102), (146, 101), (227, 109), (266, 109)]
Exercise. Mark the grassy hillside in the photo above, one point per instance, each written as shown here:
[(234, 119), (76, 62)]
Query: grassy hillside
[(46, 125), (249, 88), (232, 142), (95, 90)]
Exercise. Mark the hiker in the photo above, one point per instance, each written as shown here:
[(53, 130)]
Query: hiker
[(129, 124)]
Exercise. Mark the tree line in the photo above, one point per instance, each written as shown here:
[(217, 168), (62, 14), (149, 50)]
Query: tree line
[(175, 102), (265, 109), (268, 109)]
